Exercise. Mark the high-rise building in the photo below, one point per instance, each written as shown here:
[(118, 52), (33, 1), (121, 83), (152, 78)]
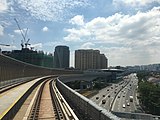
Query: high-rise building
[(103, 61), (61, 57), (90, 59)]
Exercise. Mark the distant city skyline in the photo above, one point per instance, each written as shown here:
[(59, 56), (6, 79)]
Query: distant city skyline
[(126, 31)]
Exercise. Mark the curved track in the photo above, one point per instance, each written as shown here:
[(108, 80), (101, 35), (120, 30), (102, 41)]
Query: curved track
[(49, 104)]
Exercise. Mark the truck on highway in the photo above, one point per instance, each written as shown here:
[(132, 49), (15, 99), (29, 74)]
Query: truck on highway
[(131, 98)]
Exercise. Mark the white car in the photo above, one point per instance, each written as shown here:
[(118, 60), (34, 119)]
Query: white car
[(123, 106)]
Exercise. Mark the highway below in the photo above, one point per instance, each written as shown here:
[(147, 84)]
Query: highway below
[(117, 96)]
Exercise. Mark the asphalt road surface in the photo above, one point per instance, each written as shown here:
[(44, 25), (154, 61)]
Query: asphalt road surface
[(117, 96)]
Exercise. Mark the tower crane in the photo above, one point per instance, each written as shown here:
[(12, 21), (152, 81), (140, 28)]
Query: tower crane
[(23, 41), (26, 42)]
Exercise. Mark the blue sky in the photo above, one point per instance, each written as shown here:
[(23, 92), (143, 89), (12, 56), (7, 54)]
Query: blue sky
[(126, 31)]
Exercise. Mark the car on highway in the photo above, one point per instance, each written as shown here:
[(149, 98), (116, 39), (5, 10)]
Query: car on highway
[(123, 106), (131, 98), (97, 98), (103, 101)]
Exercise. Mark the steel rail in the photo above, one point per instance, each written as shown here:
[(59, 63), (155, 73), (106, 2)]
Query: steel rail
[(60, 115), (61, 109), (36, 104), (66, 110)]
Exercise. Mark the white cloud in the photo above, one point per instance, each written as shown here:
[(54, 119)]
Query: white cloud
[(135, 55), (3, 5), (19, 32), (8, 47), (1, 30), (75, 34), (138, 35), (37, 45), (11, 36), (78, 20), (45, 29), (135, 3), (72, 37), (50, 10), (87, 45), (119, 27), (53, 43)]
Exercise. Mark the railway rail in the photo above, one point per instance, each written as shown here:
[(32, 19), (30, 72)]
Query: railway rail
[(48, 103)]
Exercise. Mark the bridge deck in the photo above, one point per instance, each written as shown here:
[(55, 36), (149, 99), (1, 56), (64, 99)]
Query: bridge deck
[(9, 98)]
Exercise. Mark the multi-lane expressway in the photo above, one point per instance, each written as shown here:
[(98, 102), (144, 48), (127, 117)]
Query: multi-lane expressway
[(117, 96)]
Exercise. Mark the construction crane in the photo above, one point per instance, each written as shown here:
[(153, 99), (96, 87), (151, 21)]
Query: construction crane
[(26, 42), (23, 41)]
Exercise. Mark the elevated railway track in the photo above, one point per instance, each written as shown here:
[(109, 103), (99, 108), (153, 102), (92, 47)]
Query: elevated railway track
[(47, 103), (16, 97)]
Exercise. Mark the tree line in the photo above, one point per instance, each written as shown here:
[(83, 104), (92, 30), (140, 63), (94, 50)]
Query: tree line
[(149, 93)]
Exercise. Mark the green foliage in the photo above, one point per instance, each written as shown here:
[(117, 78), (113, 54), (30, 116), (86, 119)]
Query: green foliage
[(143, 75), (74, 84), (150, 96), (99, 85)]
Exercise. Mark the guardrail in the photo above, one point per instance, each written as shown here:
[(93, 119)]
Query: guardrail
[(65, 108), (88, 109)]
